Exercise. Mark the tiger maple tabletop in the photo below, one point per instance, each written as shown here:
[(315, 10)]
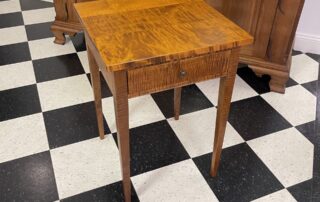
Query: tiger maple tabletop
[(144, 47)]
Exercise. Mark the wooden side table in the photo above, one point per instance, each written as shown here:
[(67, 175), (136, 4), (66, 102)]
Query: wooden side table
[(144, 47)]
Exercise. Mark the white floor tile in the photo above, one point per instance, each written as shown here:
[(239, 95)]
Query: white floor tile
[(64, 92), (241, 90), (288, 154), (16, 75), (142, 110), (9, 7), (279, 196), (38, 16), (297, 105), (177, 182), (85, 165), (304, 69), (22, 136), (196, 132), (44, 48), (12, 35), (84, 60)]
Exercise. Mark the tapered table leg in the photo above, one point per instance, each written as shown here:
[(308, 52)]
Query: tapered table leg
[(96, 85), (177, 102), (122, 120), (225, 94)]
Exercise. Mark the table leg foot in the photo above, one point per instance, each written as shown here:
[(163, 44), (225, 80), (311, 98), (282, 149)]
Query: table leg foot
[(177, 102)]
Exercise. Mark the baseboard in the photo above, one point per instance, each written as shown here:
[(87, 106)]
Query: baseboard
[(307, 43)]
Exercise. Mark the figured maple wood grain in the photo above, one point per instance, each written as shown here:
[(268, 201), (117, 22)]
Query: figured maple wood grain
[(129, 35), (169, 75), (151, 46)]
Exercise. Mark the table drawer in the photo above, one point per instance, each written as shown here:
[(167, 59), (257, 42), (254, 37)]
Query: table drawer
[(177, 73)]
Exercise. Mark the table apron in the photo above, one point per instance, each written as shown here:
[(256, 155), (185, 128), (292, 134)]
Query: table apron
[(151, 79)]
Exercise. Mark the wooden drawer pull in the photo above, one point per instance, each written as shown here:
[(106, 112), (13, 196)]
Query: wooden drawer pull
[(183, 73)]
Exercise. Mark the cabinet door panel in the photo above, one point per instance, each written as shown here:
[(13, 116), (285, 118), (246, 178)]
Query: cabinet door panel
[(284, 30), (255, 16)]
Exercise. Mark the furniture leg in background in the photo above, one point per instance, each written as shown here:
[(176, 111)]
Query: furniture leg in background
[(66, 21)]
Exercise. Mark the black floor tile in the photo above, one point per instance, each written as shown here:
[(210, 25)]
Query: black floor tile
[(14, 53), (79, 42), (294, 52), (72, 124), (316, 188), (28, 179), (110, 193), (153, 146), (259, 84), (309, 131), (192, 99), (39, 31), (18, 102), (254, 117), (312, 87), (105, 91), (34, 4), (57, 67), (242, 176), (316, 57), (11, 19), (291, 82), (302, 192)]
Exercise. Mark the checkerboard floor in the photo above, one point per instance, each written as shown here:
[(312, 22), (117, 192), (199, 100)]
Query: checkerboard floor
[(49, 145)]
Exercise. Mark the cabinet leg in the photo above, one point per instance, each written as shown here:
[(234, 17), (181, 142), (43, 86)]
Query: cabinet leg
[(225, 94), (122, 120), (177, 102), (278, 84), (278, 78), (59, 37)]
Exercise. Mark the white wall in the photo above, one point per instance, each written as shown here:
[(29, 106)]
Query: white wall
[(308, 32)]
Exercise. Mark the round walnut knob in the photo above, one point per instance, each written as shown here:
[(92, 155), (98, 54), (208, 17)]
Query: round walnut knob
[(183, 73)]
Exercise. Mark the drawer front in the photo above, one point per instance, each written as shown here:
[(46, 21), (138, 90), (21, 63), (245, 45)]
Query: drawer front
[(169, 75)]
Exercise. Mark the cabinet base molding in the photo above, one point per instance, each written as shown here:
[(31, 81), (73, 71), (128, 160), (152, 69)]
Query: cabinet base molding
[(59, 29), (278, 80)]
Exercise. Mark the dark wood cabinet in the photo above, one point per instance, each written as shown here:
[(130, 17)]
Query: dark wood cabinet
[(255, 16), (273, 24)]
